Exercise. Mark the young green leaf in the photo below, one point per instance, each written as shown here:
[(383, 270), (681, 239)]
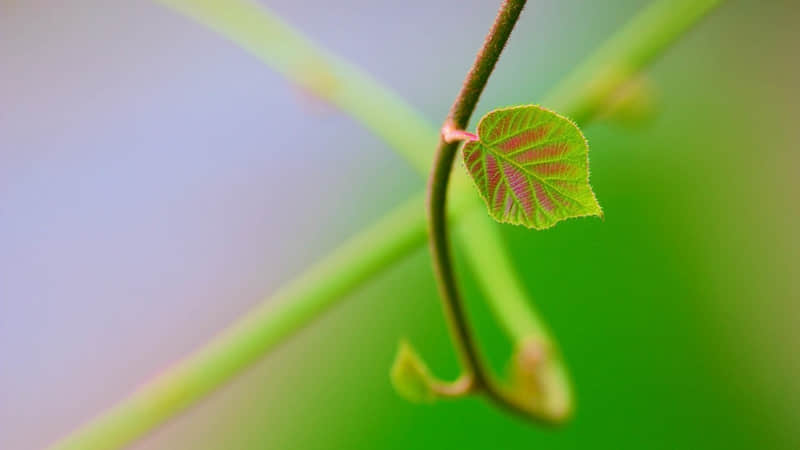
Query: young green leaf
[(531, 167), (411, 377)]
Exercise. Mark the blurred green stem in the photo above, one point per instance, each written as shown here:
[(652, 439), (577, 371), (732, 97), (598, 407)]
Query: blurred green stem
[(397, 234), (586, 91)]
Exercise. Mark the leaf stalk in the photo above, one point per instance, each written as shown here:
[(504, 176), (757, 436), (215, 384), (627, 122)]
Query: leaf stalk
[(295, 305), (450, 134)]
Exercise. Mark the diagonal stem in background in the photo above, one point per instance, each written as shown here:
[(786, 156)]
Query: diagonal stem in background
[(401, 231)]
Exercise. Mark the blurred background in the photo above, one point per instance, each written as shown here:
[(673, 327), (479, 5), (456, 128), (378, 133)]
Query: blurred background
[(149, 196)]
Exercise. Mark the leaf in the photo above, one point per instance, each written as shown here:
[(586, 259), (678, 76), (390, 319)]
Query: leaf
[(531, 167), (411, 377)]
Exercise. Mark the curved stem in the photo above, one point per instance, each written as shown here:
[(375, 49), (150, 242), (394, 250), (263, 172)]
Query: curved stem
[(460, 113)]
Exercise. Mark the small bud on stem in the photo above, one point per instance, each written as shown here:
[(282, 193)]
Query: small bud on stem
[(450, 134)]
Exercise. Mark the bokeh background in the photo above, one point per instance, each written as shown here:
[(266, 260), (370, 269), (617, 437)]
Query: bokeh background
[(156, 182)]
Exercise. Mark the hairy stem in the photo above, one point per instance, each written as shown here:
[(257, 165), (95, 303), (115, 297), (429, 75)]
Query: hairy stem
[(401, 231), (438, 240)]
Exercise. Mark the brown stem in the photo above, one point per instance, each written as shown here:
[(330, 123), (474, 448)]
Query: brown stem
[(457, 119)]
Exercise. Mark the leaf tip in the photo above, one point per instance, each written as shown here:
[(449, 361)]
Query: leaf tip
[(411, 377)]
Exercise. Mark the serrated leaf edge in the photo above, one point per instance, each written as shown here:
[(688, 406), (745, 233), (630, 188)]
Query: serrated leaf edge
[(600, 213)]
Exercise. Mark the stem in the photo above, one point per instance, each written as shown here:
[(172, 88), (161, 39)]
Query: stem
[(373, 249), (263, 34), (458, 118)]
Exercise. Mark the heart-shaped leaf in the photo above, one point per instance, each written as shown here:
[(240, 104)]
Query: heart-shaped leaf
[(531, 167)]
